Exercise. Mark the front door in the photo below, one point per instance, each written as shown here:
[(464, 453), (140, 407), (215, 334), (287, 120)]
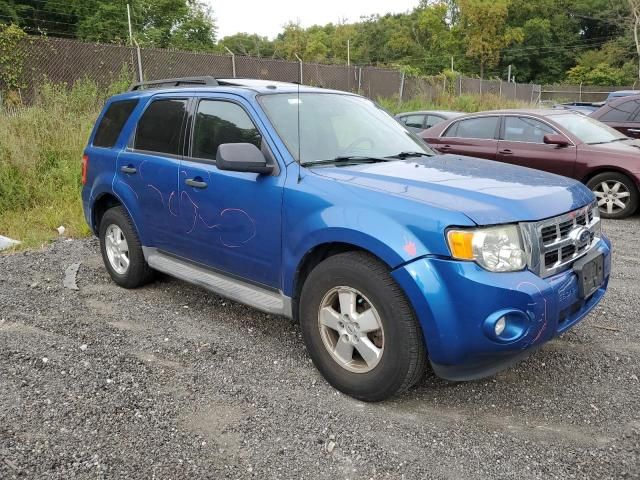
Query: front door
[(230, 221), (523, 144)]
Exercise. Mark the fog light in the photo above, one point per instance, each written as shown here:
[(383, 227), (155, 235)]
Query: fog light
[(506, 326), (500, 326)]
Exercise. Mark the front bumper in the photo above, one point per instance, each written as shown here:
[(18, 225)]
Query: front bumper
[(454, 300)]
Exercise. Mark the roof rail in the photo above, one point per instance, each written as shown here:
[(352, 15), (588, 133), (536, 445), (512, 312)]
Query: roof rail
[(175, 82)]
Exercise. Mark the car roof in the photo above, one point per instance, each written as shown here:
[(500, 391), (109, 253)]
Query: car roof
[(537, 112), (623, 93), (623, 99), (447, 113), (242, 86)]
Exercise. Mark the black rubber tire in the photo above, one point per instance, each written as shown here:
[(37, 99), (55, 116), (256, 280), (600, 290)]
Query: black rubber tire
[(632, 206), (139, 273), (404, 359)]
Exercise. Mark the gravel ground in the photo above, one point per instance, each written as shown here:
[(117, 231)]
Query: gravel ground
[(170, 381)]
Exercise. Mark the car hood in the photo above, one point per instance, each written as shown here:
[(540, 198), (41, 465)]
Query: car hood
[(485, 191), (627, 148)]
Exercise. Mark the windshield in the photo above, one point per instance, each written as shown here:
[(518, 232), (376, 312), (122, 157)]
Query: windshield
[(336, 126), (587, 129)]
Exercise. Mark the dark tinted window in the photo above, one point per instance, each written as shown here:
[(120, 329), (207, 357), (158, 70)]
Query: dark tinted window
[(219, 122), (483, 128), (414, 121), (433, 120), (622, 113), (112, 122), (524, 129), (160, 127)]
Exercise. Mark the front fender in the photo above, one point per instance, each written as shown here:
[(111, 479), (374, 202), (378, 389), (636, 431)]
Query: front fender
[(365, 228)]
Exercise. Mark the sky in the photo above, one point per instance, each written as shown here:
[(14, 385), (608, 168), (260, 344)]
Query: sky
[(267, 17)]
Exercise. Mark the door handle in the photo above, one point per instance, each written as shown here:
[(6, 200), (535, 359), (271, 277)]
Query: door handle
[(505, 151), (192, 182), (445, 147), (129, 170)]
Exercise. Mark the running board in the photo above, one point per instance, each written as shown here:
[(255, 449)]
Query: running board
[(254, 296)]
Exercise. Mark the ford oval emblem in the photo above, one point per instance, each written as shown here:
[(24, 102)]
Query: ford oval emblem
[(580, 236)]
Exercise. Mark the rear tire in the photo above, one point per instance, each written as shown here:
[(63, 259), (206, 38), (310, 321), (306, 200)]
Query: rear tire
[(121, 250), (616, 193), (355, 294)]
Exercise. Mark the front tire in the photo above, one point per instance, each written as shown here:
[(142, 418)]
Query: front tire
[(121, 250), (616, 193), (359, 328)]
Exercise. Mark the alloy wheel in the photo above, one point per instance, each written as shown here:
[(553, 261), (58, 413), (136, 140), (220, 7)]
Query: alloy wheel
[(117, 249), (613, 196), (351, 329)]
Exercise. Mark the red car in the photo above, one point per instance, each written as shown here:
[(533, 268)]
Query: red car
[(557, 141), (621, 113)]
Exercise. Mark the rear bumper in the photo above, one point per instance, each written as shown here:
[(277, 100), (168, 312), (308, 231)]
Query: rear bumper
[(458, 303)]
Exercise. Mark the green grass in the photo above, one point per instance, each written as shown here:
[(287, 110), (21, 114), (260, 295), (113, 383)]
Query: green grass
[(463, 103), (41, 150), (40, 162)]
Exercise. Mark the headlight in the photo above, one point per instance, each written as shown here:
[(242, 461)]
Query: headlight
[(497, 249)]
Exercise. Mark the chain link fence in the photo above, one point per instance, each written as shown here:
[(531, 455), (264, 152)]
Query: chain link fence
[(67, 61)]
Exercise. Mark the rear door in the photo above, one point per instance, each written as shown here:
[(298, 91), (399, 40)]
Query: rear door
[(522, 143), (623, 117), (475, 137), (148, 169)]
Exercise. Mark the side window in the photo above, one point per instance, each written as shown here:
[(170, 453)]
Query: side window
[(414, 121), (481, 128), (622, 113), (160, 126), (525, 129), (112, 122), (219, 122), (433, 120)]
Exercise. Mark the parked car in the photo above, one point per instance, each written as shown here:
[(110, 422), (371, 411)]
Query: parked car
[(556, 141), (586, 108), (419, 121), (623, 114), (622, 93), (317, 205)]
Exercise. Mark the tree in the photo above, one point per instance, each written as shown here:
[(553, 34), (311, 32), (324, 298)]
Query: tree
[(634, 5), (487, 34)]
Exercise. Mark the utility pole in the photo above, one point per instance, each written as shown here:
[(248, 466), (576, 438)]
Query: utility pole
[(132, 41), (299, 60), (348, 52), (509, 74), (452, 70), (233, 61), (130, 29)]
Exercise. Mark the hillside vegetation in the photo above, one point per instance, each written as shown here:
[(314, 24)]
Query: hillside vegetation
[(40, 153)]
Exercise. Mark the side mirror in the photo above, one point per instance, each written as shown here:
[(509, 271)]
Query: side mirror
[(556, 139), (242, 157)]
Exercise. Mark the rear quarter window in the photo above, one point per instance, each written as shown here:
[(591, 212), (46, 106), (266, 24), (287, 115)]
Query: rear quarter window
[(621, 113), (112, 122)]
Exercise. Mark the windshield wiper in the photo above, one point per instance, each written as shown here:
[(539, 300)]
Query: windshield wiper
[(347, 159), (609, 141), (403, 155)]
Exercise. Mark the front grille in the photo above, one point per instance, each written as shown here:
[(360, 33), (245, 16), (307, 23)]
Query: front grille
[(554, 244)]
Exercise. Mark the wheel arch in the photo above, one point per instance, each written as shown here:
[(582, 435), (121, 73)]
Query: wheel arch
[(613, 169), (317, 254)]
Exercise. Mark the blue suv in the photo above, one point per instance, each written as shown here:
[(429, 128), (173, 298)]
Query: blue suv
[(317, 205)]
